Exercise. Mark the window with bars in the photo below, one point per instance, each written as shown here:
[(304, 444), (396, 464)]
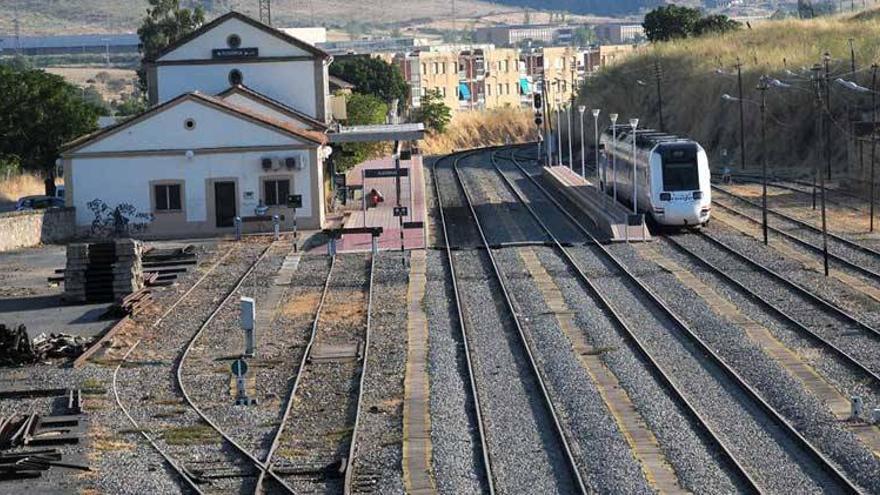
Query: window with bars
[(275, 192), (167, 197)]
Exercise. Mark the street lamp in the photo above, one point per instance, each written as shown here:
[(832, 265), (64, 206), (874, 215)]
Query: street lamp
[(570, 154), (599, 178), (581, 110), (634, 123), (558, 131), (613, 117)]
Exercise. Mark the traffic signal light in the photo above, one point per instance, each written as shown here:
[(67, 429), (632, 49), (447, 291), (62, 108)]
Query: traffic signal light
[(538, 101), (539, 119)]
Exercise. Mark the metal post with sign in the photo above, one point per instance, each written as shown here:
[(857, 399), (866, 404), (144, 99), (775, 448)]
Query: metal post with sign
[(276, 226), (294, 202), (237, 222), (239, 371), (248, 325)]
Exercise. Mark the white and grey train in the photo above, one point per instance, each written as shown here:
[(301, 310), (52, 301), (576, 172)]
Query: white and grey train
[(672, 175)]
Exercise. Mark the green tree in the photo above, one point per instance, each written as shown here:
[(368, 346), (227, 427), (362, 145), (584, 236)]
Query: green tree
[(584, 36), (40, 113), (166, 22), (373, 76), (363, 109), (715, 24), (433, 112), (130, 106), (670, 22)]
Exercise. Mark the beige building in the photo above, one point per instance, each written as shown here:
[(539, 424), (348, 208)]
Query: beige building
[(504, 78), (606, 55), (557, 69)]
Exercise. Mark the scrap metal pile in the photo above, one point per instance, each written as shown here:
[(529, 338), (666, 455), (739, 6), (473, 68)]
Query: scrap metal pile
[(16, 348)]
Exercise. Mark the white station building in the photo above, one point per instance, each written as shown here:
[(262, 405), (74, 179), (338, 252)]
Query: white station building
[(240, 119)]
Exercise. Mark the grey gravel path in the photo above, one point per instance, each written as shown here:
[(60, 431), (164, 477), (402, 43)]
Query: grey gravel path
[(456, 455)]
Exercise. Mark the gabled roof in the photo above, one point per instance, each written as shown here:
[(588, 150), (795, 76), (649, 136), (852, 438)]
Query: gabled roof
[(271, 102), (340, 83), (312, 136), (248, 20)]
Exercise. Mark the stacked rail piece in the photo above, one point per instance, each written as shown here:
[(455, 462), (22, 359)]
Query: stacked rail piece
[(103, 272)]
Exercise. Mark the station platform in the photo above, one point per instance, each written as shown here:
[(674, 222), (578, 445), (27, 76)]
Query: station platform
[(608, 215), (412, 196)]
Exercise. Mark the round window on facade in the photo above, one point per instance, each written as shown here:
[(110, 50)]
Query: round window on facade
[(189, 124), (235, 77), (233, 41)]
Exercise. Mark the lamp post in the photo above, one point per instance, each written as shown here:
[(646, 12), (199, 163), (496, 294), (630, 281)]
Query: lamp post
[(634, 123), (613, 155), (599, 178), (581, 110), (570, 155), (558, 132)]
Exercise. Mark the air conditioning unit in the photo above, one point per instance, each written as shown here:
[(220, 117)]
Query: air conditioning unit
[(267, 163), (292, 163)]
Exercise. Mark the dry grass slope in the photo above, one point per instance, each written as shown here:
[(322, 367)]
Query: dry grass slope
[(478, 129), (692, 87)]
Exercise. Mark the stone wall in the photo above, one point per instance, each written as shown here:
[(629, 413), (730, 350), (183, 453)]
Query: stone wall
[(20, 229)]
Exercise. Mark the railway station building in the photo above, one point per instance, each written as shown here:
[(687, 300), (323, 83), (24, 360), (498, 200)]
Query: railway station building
[(241, 118)]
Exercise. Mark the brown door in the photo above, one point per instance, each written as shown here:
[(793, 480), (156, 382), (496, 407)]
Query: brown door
[(224, 203)]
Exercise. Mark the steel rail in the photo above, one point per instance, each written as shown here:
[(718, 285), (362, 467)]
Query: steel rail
[(796, 287), (179, 373), (618, 320), (548, 403), (735, 377), (179, 469), (352, 448), (478, 410), (843, 240), (276, 438), (843, 355), (810, 246)]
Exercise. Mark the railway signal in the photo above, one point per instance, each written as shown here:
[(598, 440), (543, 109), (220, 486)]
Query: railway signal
[(248, 325), (239, 371)]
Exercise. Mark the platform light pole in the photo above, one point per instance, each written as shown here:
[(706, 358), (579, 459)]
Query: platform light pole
[(596, 112), (570, 154), (634, 123), (613, 117), (581, 110), (558, 131)]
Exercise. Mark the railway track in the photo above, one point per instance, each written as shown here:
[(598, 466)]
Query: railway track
[(536, 455), (833, 328), (856, 256), (751, 473), (228, 460), (315, 444)]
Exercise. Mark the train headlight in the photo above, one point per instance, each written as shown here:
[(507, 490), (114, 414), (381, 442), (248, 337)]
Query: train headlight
[(698, 194), (665, 196)]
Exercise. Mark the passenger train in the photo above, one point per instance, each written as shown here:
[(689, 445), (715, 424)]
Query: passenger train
[(672, 175)]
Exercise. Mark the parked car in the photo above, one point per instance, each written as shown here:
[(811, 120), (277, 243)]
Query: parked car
[(38, 203)]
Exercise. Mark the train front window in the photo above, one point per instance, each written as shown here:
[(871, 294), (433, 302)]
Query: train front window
[(680, 175)]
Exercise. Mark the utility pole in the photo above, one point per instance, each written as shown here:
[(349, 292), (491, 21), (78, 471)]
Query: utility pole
[(266, 12), (827, 61), (873, 134), (742, 122), (657, 73), (816, 78), (827, 121), (852, 56), (763, 87)]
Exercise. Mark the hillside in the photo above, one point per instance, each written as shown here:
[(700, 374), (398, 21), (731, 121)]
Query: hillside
[(595, 7), (41, 17), (697, 72)]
